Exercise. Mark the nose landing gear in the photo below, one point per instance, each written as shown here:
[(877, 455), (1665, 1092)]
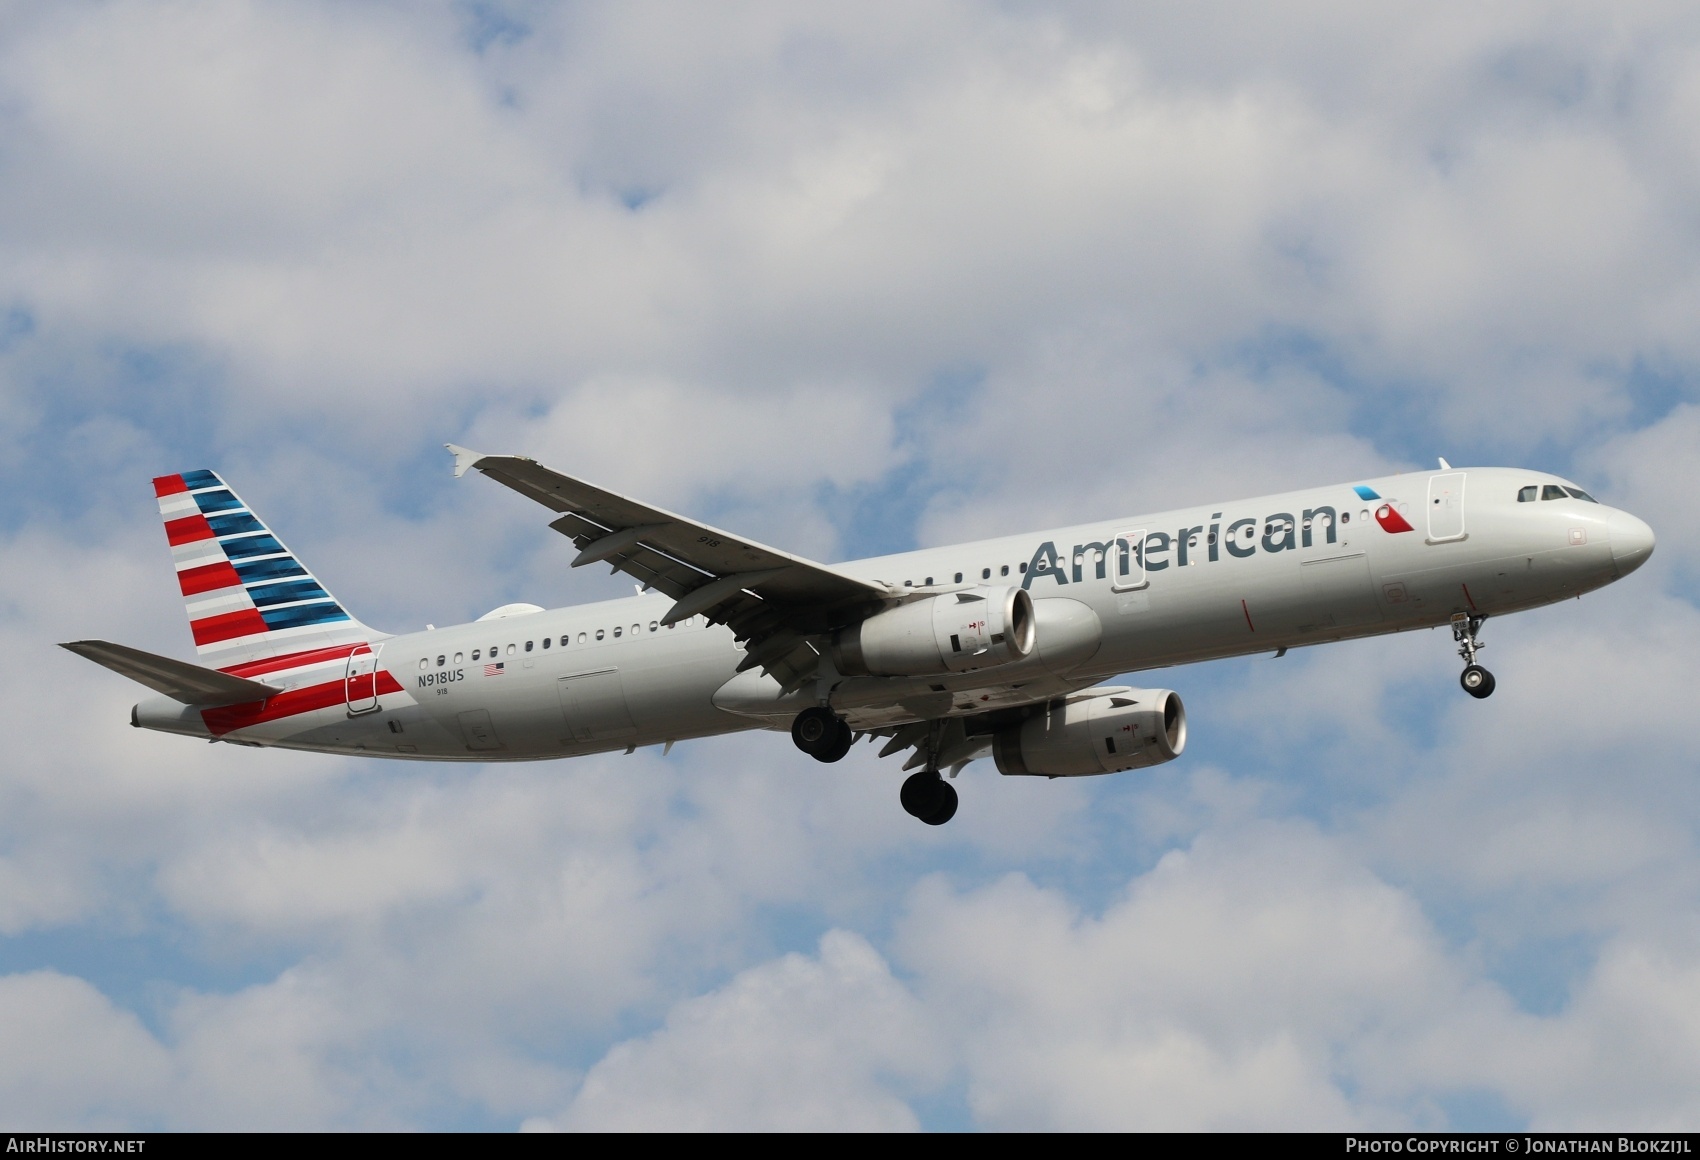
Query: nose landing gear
[(821, 733), (1477, 681)]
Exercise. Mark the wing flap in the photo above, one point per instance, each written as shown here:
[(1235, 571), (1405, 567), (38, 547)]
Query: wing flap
[(179, 680)]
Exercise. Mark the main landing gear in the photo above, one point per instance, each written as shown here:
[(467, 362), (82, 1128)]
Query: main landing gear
[(1477, 681), (822, 734), (825, 736), (929, 797)]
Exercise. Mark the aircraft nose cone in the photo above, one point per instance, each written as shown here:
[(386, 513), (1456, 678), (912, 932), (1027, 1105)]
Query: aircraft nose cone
[(1631, 542)]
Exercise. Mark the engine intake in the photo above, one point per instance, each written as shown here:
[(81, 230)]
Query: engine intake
[(1114, 731), (955, 633)]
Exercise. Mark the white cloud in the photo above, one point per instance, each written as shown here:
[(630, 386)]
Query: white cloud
[(1222, 992), (797, 1044), (73, 1060)]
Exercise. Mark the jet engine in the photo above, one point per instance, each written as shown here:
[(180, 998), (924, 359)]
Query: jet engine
[(954, 633), (1116, 730)]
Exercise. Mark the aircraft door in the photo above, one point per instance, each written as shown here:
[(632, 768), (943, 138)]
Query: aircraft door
[(1446, 507), (595, 706), (360, 683), (1129, 550)]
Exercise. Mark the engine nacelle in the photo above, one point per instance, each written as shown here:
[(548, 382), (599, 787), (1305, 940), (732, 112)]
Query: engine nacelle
[(1121, 729), (958, 632)]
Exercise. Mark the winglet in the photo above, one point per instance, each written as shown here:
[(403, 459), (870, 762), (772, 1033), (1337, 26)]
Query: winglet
[(1444, 466), (465, 458)]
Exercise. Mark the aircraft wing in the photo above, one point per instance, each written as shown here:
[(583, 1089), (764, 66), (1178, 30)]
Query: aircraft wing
[(179, 680), (772, 600)]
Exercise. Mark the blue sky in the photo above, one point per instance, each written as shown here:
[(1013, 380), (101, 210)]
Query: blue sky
[(848, 279)]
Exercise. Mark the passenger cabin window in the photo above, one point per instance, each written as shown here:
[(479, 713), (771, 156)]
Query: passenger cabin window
[(510, 650), (1345, 518), (565, 638), (460, 658), (1528, 494), (547, 641), (1578, 493), (1553, 491), (637, 630), (958, 579), (616, 631), (1023, 567), (985, 573), (929, 581), (474, 654), (424, 662), (440, 661), (654, 625), (599, 634), (1004, 571)]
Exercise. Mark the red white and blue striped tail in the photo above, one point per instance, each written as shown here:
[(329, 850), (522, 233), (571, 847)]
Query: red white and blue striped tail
[(248, 597)]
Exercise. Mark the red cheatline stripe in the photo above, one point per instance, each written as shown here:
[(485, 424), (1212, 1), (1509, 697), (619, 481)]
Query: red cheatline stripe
[(188, 529), (1467, 596), (208, 577), (296, 660), (164, 485), (1247, 612), (227, 626), (289, 704)]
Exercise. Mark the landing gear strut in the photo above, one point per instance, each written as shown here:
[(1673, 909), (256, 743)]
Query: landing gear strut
[(1477, 681), (821, 733), (929, 797)]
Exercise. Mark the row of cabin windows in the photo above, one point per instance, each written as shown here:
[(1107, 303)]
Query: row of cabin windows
[(549, 642), (985, 574), (1528, 494), (1003, 570), (1552, 491)]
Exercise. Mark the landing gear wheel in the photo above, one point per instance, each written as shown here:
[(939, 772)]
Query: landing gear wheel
[(929, 797), (842, 740), (1477, 682), (821, 733)]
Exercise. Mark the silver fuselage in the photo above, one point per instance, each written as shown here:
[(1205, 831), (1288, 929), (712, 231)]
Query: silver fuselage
[(611, 676)]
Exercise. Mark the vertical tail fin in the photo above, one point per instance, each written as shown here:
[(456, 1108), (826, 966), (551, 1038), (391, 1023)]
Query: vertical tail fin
[(248, 596)]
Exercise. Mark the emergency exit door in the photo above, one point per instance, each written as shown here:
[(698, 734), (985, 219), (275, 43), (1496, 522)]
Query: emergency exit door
[(360, 683), (1446, 507)]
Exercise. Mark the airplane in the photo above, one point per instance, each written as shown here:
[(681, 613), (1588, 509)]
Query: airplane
[(994, 648)]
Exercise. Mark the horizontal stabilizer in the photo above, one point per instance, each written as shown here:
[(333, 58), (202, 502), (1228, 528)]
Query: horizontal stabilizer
[(179, 680)]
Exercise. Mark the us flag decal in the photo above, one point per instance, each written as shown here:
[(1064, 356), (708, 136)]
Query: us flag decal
[(494, 670)]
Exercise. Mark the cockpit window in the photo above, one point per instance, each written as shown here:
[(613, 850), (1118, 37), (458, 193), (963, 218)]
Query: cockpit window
[(1553, 491), (1578, 493), (1528, 494)]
